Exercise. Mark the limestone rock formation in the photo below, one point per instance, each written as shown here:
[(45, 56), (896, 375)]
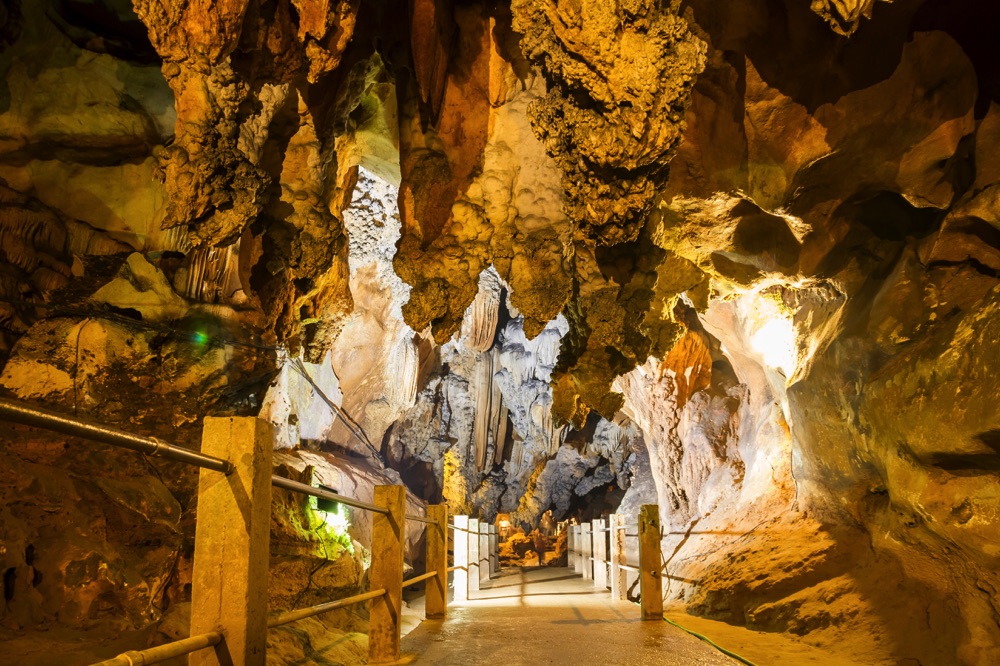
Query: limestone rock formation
[(619, 81)]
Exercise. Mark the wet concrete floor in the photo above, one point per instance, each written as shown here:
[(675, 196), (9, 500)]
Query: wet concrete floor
[(537, 616)]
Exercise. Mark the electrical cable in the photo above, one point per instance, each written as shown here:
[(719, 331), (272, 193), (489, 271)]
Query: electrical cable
[(349, 423), (296, 363), (728, 653), (99, 313)]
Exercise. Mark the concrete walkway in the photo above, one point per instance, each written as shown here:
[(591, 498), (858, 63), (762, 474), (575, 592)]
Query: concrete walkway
[(536, 616)]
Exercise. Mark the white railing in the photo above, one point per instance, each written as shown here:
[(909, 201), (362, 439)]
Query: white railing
[(476, 557), (596, 550)]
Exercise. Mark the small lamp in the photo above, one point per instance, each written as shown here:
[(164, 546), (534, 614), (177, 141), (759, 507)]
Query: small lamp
[(327, 505)]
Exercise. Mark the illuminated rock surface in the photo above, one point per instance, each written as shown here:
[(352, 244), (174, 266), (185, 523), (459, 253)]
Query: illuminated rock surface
[(739, 259)]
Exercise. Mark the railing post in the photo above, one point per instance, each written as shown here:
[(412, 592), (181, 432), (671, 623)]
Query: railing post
[(600, 554), (570, 553), (461, 546), (578, 560), (588, 549), (473, 556), (494, 555), (229, 578), (650, 581), (617, 556), (386, 571), (437, 560), (484, 551)]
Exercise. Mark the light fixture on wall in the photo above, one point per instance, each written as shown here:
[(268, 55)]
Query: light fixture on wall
[(335, 515)]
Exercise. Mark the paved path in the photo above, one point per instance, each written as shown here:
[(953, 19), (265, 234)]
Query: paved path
[(537, 616)]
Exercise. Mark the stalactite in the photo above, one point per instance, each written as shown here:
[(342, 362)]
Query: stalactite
[(479, 330), (483, 390), (501, 438), (211, 275), (401, 375), (490, 427)]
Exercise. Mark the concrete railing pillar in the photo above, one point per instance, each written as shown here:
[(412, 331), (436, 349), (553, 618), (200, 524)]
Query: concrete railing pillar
[(617, 543), (494, 550), (437, 560), (474, 556), (588, 549), (578, 560), (600, 554), (460, 541), (650, 580), (386, 571), (484, 551), (570, 553), (231, 549)]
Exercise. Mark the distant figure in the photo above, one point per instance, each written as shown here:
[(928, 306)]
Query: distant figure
[(540, 547), (547, 525)]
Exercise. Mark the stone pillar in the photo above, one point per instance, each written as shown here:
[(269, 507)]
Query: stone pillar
[(460, 540), (484, 551), (231, 543), (386, 571), (618, 586), (588, 549), (473, 556), (650, 580), (437, 560), (600, 554)]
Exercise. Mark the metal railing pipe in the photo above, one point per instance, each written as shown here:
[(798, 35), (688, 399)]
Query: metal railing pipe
[(305, 489), (302, 613), (417, 579), (421, 519), (163, 652), (67, 425)]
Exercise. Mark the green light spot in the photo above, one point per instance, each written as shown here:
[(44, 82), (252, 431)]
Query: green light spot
[(336, 522), (200, 338)]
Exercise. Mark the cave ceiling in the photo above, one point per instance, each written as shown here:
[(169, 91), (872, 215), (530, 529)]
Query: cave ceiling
[(604, 160)]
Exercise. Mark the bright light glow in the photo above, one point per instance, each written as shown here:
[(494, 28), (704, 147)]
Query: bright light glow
[(774, 339), (200, 338), (338, 520)]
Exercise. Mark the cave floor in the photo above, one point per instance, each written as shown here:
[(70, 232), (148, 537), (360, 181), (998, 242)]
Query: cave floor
[(550, 615)]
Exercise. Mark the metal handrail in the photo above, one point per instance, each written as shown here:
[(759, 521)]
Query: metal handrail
[(421, 577), (460, 529), (306, 489), (43, 418), (302, 613), (163, 652)]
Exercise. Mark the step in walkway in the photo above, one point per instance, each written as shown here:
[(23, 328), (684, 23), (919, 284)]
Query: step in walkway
[(534, 616)]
